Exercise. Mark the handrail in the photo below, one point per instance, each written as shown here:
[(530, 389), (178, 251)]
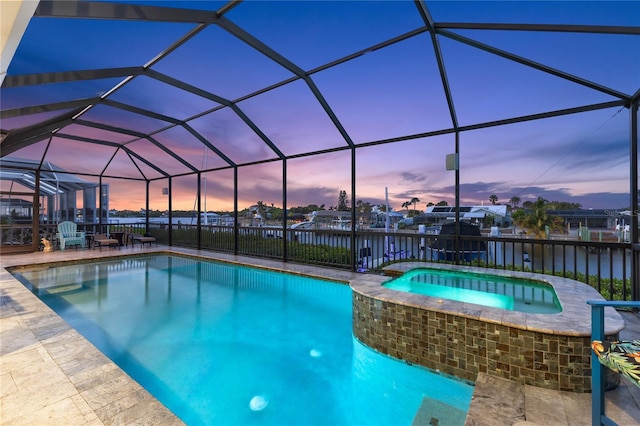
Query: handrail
[(598, 416)]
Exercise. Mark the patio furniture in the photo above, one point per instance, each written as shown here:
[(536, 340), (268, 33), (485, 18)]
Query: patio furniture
[(100, 240), (68, 234), (118, 235), (620, 356), (137, 238)]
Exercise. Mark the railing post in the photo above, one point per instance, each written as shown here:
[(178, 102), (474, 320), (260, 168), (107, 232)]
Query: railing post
[(635, 272), (597, 371)]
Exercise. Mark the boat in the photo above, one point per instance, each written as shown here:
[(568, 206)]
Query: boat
[(443, 247)]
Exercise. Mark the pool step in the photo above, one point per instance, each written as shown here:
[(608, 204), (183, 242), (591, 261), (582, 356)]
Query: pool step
[(436, 413), (62, 289), (496, 401)]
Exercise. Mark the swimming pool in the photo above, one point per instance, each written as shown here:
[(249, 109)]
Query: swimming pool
[(222, 344), (514, 294)]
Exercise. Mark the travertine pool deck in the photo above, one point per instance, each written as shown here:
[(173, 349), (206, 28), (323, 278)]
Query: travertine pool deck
[(50, 375)]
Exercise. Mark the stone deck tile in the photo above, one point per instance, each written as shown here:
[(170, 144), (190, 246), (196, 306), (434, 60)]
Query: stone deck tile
[(51, 375), (63, 412), (546, 408), (496, 402), (38, 384)]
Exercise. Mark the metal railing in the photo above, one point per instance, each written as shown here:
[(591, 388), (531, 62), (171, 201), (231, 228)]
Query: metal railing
[(16, 234), (606, 266)]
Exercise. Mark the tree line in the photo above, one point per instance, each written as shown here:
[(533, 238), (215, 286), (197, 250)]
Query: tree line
[(532, 216)]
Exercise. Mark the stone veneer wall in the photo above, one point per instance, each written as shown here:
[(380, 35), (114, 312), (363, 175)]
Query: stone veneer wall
[(463, 347)]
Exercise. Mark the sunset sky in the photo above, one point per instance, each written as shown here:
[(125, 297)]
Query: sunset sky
[(392, 92)]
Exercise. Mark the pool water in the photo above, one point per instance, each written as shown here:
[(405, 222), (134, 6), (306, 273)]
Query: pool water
[(229, 345), (513, 294)]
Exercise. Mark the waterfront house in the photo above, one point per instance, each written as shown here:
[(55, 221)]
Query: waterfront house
[(496, 215)]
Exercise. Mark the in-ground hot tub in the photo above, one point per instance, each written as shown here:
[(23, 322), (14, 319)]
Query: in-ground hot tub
[(463, 339), (512, 293)]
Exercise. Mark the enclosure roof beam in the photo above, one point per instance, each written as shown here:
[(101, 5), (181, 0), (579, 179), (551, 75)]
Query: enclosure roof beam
[(24, 80), (141, 111), (533, 64), (56, 106), (207, 95), (138, 135), (119, 11), (558, 28), (114, 145), (428, 20), (22, 137), (208, 144), (288, 65)]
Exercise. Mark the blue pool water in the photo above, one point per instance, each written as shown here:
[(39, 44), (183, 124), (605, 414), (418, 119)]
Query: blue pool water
[(513, 294), (229, 345)]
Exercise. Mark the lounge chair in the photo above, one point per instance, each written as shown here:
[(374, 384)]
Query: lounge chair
[(69, 235), (100, 240), (137, 238)]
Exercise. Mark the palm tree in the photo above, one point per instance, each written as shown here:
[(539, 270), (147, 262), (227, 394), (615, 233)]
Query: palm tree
[(515, 200), (538, 221), (414, 201), (494, 199), (406, 204)]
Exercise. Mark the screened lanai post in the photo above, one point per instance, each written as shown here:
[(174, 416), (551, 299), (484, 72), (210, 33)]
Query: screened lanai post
[(633, 138), (456, 243), (100, 206), (354, 249), (170, 207), (236, 231), (199, 212), (146, 216), (35, 240), (284, 210)]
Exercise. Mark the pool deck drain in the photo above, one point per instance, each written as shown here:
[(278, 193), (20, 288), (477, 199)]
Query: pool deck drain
[(51, 375)]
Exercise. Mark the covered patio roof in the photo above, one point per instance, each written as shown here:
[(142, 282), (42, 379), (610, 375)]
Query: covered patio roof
[(53, 179)]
